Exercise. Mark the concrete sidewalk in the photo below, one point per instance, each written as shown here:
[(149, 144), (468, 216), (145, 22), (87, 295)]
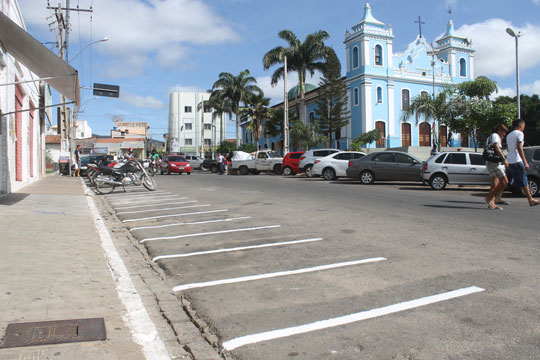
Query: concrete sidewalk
[(52, 267)]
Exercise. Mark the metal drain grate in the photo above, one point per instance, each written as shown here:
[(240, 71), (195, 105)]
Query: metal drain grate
[(53, 332)]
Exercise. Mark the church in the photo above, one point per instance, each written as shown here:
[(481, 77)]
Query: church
[(381, 84)]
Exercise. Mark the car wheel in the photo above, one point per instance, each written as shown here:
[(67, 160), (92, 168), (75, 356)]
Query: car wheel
[(438, 182), (168, 171), (309, 171), (213, 169), (367, 177), (188, 173), (533, 186), (287, 171), (277, 169), (329, 174), (244, 170)]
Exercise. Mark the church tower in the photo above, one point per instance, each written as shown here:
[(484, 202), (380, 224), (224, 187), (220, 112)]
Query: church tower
[(458, 53)]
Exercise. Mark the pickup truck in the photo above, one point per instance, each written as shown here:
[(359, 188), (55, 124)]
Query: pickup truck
[(254, 163)]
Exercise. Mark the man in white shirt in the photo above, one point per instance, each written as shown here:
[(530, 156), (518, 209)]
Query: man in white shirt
[(518, 165)]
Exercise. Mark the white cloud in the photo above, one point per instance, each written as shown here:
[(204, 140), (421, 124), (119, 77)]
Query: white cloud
[(142, 101), (163, 29), (495, 49), (533, 88), (275, 93), (537, 2), (188, 88)]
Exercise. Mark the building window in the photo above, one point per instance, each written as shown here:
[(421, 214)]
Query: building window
[(207, 142), (187, 109), (462, 67), (356, 97), (355, 57), (312, 117), (207, 109), (378, 55), (188, 141), (189, 126), (379, 95), (207, 126), (405, 99), (424, 93)]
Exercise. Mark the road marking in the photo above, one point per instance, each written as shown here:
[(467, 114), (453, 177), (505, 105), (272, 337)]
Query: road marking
[(191, 223), (165, 209), (210, 233), (141, 206), (143, 330), (364, 315), (148, 200), (276, 274), (175, 215), (235, 249), (137, 194)]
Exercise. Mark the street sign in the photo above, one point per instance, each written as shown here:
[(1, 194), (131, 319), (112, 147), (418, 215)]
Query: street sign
[(106, 90)]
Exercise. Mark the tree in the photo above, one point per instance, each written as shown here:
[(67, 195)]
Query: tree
[(307, 134), (366, 139), (302, 57), (220, 105), (226, 147), (332, 104), (237, 89), (530, 112), (248, 147), (273, 126), (256, 112)]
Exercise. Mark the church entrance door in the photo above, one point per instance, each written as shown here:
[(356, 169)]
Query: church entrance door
[(405, 134), (424, 131), (380, 125)]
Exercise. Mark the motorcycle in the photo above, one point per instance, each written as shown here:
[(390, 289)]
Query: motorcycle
[(128, 173), (153, 166)]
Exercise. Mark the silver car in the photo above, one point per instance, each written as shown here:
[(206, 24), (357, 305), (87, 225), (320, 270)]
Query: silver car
[(386, 166), (455, 167), (195, 161)]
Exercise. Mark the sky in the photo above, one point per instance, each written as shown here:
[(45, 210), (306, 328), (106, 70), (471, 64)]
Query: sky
[(156, 47)]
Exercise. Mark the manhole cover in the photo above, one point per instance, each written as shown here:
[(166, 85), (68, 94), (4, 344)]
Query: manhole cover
[(53, 332)]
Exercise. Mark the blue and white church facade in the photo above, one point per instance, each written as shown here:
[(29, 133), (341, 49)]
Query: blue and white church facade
[(381, 83)]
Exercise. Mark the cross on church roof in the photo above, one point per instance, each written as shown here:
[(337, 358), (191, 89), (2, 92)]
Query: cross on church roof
[(420, 22)]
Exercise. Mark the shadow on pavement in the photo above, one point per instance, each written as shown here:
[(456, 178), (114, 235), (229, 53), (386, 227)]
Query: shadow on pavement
[(12, 199)]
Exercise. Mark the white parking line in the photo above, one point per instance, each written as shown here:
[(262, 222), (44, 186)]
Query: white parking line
[(190, 223), (364, 315), (175, 215), (242, 248), (276, 274), (210, 233), (147, 200), (164, 209), (141, 206), (137, 194)]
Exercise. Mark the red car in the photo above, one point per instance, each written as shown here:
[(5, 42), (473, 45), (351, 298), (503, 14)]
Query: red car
[(290, 163), (175, 164)]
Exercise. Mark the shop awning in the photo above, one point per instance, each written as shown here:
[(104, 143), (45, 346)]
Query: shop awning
[(40, 60)]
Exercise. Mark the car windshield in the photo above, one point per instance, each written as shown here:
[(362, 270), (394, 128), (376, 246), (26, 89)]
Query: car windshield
[(176, 159), (273, 154)]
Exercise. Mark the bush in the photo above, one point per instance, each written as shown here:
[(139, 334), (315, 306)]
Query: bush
[(249, 147)]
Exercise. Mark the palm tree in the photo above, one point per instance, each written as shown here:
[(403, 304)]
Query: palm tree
[(302, 57), (237, 89), (429, 108), (221, 105), (257, 111), (307, 134)]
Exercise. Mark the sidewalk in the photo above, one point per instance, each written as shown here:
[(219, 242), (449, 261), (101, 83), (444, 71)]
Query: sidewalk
[(52, 267)]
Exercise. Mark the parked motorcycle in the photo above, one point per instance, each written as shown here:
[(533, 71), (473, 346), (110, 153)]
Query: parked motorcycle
[(128, 173)]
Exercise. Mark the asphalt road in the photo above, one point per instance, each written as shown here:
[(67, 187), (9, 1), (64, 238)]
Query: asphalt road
[(296, 268)]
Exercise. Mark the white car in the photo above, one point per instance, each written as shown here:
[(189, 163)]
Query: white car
[(335, 165)]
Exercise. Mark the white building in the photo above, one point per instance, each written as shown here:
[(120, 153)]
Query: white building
[(189, 128)]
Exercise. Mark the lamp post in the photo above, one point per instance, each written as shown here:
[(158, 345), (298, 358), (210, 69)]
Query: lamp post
[(84, 48), (516, 36)]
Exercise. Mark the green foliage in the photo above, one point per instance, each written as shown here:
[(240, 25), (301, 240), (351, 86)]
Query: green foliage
[(248, 147), (309, 135), (256, 112), (480, 88), (331, 108), (530, 112), (226, 147), (366, 139), (273, 126)]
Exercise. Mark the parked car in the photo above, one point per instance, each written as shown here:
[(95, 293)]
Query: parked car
[(455, 167), (290, 163), (386, 166), (195, 161), (93, 159), (532, 154), (175, 164), (266, 160), (209, 164), (307, 160), (335, 165)]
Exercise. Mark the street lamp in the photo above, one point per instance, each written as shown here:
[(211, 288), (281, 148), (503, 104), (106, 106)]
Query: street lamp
[(84, 48), (513, 34)]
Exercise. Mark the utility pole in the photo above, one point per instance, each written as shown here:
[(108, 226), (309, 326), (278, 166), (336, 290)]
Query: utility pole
[(285, 111)]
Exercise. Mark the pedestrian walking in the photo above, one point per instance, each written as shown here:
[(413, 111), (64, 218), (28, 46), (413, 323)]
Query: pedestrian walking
[(496, 169), (221, 164), (517, 162), (77, 162)]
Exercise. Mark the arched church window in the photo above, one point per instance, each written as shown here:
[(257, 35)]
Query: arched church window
[(424, 93), (378, 55), (356, 96), (312, 117), (405, 96), (379, 95), (355, 57), (462, 67)]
